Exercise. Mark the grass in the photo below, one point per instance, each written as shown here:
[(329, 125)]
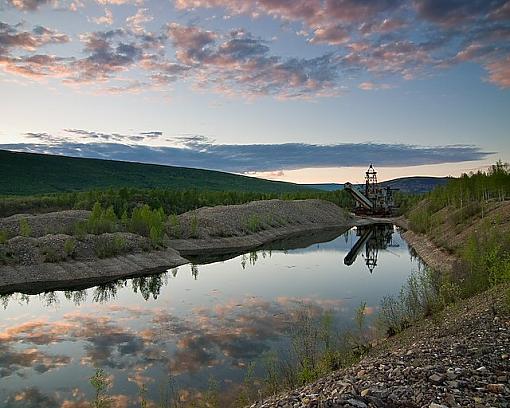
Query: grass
[(254, 223)]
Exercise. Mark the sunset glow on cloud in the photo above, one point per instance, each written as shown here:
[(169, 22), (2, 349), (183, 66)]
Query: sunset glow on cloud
[(237, 67)]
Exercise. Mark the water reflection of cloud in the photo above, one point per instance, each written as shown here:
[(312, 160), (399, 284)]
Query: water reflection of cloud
[(14, 361), (131, 339)]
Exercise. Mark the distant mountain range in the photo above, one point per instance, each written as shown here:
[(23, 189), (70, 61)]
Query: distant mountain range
[(415, 185), (33, 173)]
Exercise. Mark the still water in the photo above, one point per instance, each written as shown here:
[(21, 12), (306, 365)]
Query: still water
[(208, 320)]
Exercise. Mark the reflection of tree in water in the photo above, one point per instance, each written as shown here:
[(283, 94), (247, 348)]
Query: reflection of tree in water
[(149, 285), (21, 298), (194, 271), (76, 296), (373, 238), (253, 256)]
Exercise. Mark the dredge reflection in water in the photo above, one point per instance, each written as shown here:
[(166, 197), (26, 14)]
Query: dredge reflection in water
[(373, 237), (211, 319)]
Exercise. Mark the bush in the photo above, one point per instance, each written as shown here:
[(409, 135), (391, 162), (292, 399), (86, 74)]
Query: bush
[(419, 297), (50, 255), (487, 256), (24, 228), (101, 220), (253, 224), (108, 247), (70, 246), (175, 226), (3, 236), (194, 226), (149, 223)]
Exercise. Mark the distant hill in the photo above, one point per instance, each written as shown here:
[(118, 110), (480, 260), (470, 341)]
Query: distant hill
[(415, 184), (31, 173), (325, 186)]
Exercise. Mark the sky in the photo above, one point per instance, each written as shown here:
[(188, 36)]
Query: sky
[(304, 91)]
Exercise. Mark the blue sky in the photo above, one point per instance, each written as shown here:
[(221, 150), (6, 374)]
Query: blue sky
[(306, 91)]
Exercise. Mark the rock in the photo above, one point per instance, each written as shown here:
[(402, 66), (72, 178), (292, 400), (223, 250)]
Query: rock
[(357, 403), (436, 378), (434, 405), (496, 388)]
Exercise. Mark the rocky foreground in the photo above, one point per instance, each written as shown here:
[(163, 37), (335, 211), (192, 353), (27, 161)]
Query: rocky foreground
[(458, 358)]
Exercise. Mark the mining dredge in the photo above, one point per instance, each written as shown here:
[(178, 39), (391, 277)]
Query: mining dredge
[(374, 200), (372, 238)]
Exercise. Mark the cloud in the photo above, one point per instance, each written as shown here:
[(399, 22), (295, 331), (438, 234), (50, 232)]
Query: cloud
[(499, 72), (200, 152), (107, 19), (35, 65), (28, 5), (451, 12), (242, 64), (381, 41), (137, 21)]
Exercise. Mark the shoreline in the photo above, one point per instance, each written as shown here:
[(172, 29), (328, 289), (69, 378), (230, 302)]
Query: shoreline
[(80, 274), (34, 279)]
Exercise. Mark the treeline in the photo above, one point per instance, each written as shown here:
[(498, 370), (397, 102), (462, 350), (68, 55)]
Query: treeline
[(466, 196), (493, 184), (125, 200)]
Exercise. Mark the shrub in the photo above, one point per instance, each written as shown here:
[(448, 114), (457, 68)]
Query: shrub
[(194, 226), (101, 383), (101, 220), (24, 228), (69, 246), (175, 226), (107, 247), (50, 255), (149, 223), (419, 297), (253, 224), (3, 237)]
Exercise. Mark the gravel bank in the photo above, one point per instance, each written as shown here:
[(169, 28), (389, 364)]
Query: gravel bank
[(43, 261), (458, 358)]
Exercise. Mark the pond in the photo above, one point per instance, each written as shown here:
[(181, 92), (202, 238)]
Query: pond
[(200, 324)]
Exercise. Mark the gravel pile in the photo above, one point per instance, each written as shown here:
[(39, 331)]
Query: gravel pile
[(61, 222), (460, 359), (239, 220)]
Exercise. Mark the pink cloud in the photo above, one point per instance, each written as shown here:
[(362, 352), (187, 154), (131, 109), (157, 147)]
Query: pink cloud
[(499, 72)]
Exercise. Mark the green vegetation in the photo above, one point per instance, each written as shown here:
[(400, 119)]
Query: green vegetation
[(424, 293), (107, 246), (254, 224), (194, 226), (29, 173), (149, 223), (484, 256), (69, 246), (101, 220), (465, 196), (3, 236), (170, 200), (24, 228), (101, 384), (175, 226)]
